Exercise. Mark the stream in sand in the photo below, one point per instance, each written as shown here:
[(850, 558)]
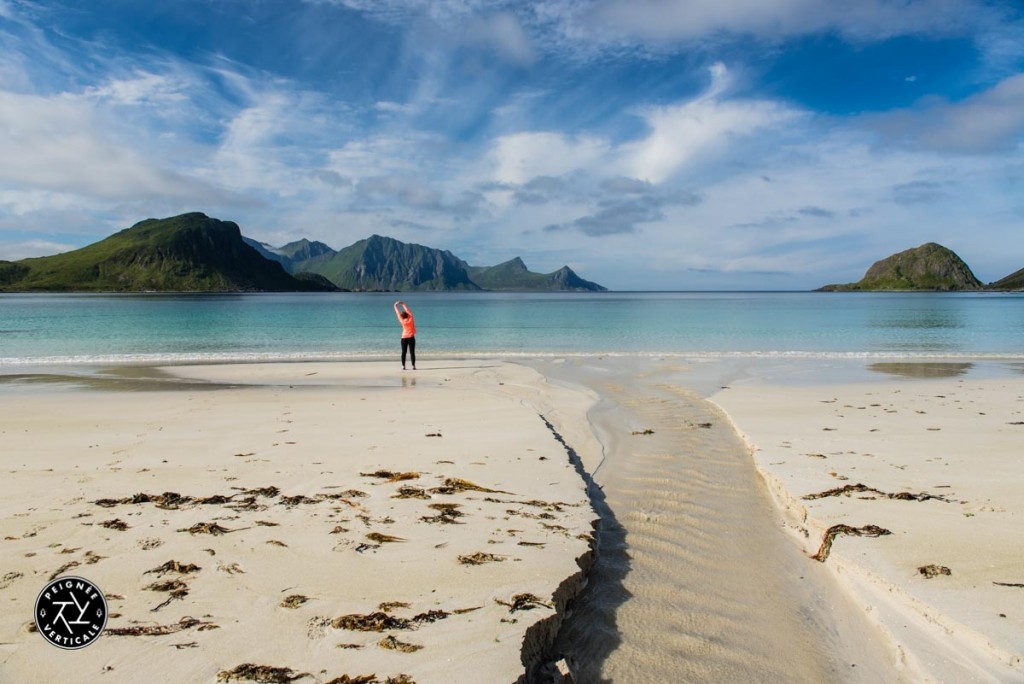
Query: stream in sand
[(697, 580)]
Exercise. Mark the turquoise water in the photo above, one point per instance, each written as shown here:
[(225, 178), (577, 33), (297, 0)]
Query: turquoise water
[(47, 329)]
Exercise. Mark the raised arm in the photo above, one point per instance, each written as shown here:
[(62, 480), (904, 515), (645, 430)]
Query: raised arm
[(398, 311)]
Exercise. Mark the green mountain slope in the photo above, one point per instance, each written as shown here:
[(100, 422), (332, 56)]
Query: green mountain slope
[(513, 276), (1014, 281), (382, 263), (187, 253), (930, 267)]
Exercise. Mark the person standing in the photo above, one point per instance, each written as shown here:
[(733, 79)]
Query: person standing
[(408, 332)]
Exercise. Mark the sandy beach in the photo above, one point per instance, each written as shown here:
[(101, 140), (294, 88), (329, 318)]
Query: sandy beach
[(317, 521), (922, 467), (304, 522)]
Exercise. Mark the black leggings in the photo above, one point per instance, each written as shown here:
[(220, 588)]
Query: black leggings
[(409, 345)]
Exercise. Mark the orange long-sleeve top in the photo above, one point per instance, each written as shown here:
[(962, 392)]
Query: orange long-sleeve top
[(408, 326)]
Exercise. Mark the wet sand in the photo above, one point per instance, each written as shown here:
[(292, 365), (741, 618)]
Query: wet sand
[(697, 580)]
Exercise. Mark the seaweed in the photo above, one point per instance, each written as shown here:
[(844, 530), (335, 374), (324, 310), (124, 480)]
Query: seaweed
[(213, 500), (293, 501), (834, 531), (207, 528), (390, 476), (176, 590), (174, 566), (358, 679), (479, 558), (408, 492), (453, 485), (268, 492), (448, 512), (115, 524), (347, 494), (846, 490), (294, 601), (523, 602), (430, 616), (392, 644), (264, 674), (91, 558), (160, 630), (389, 606), (461, 611), (172, 585), (930, 571), (373, 622), (383, 538), (67, 566)]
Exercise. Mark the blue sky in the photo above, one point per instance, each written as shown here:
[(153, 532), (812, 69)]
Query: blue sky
[(649, 144)]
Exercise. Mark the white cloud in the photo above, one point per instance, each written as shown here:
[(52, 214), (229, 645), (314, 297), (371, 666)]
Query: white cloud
[(503, 33), (679, 135), (990, 121), (666, 21), (13, 251), (63, 144), (521, 156), (687, 132), (142, 88)]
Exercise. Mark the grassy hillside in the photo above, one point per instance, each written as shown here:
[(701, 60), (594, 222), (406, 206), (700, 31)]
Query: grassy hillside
[(1014, 281), (928, 267), (187, 253)]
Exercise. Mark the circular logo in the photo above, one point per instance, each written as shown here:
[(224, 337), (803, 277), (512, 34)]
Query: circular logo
[(71, 612)]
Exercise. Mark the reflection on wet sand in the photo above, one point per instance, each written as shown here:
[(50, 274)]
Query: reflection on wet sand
[(927, 369), (125, 379)]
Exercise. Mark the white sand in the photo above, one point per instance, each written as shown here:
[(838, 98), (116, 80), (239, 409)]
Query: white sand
[(309, 431), (957, 438)]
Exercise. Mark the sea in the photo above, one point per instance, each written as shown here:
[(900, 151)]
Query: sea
[(89, 329)]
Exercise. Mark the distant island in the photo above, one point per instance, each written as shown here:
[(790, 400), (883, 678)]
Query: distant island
[(928, 268), (195, 253)]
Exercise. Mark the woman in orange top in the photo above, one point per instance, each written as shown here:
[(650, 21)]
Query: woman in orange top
[(408, 332)]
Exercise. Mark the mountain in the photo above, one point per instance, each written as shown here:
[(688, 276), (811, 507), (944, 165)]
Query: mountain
[(383, 263), (513, 276), (187, 253), (1014, 281), (293, 255), (928, 267)]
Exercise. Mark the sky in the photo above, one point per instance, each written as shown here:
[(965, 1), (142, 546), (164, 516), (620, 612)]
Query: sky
[(648, 144)]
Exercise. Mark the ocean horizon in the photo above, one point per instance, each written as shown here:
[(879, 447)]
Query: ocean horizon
[(44, 329)]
